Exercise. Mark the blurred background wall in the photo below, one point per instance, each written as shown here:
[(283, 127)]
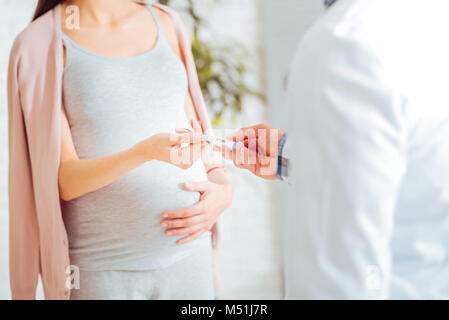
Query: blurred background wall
[(269, 30)]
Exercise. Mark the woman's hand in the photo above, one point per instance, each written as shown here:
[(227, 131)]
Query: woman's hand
[(181, 150), (201, 217)]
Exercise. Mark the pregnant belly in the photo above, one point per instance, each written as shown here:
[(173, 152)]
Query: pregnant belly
[(130, 209)]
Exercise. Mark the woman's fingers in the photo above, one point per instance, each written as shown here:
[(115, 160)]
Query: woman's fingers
[(197, 132), (193, 149), (196, 127), (185, 156), (190, 238), (185, 212), (202, 186), (183, 130), (183, 222), (181, 138), (187, 230)]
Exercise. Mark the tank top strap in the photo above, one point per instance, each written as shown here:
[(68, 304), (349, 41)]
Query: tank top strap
[(68, 45), (160, 29), (154, 14)]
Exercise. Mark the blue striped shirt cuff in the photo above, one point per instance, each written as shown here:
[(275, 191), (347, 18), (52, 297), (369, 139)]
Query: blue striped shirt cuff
[(282, 170)]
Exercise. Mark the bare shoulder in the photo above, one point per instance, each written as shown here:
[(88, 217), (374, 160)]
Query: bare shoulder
[(165, 19), (169, 28)]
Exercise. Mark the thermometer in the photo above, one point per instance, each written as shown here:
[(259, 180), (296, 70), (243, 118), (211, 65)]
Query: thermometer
[(217, 141)]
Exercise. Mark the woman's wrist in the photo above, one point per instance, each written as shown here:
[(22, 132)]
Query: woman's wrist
[(141, 152), (209, 171), (217, 174), (228, 192)]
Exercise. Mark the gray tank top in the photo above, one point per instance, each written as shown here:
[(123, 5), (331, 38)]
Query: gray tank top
[(111, 104)]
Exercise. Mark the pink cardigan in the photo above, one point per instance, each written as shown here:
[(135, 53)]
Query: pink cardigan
[(38, 239)]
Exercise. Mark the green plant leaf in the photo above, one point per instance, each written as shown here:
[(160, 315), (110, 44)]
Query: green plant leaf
[(222, 69)]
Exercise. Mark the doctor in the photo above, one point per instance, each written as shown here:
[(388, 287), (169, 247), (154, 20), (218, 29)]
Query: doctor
[(366, 212)]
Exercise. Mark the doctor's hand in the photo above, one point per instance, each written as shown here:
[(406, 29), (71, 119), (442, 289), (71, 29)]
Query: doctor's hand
[(256, 150), (201, 217)]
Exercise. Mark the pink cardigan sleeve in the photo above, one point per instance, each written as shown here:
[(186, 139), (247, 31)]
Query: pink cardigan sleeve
[(24, 259)]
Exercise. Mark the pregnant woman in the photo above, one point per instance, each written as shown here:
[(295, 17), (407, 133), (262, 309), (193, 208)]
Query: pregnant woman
[(136, 229), (125, 88)]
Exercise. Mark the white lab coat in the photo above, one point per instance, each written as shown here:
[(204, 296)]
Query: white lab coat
[(367, 213)]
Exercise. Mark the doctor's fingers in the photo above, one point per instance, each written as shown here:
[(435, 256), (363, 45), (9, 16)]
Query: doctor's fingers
[(242, 157), (251, 144), (250, 132), (257, 145), (244, 134)]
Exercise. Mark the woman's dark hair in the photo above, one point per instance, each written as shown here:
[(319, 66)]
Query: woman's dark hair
[(43, 6)]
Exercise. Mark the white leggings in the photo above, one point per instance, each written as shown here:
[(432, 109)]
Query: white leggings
[(190, 278)]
